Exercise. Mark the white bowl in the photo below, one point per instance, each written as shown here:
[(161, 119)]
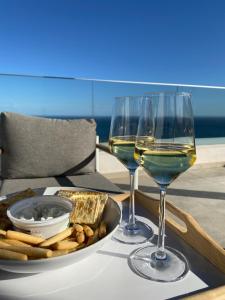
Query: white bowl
[(112, 217), (43, 228)]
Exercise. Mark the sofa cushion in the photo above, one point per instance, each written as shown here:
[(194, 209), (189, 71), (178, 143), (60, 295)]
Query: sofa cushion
[(41, 147)]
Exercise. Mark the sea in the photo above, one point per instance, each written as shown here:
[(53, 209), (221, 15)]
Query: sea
[(207, 129)]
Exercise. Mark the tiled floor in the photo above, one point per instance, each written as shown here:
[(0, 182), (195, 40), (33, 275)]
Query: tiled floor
[(200, 191)]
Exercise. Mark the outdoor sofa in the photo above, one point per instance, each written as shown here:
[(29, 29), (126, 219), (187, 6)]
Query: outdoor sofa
[(41, 152)]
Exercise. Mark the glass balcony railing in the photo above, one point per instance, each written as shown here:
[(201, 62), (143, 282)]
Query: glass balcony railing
[(74, 98)]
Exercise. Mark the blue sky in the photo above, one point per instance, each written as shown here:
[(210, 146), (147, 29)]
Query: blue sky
[(175, 41)]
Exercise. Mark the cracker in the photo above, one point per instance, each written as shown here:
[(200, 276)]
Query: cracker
[(88, 206)]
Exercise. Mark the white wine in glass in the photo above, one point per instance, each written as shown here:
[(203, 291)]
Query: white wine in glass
[(168, 119), (122, 140)]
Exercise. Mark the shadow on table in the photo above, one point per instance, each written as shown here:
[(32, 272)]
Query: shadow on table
[(5, 275), (178, 192)]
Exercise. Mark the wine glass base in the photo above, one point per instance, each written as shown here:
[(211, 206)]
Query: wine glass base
[(134, 234), (144, 263)]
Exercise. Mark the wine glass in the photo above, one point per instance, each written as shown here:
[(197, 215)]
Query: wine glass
[(165, 148), (123, 130)]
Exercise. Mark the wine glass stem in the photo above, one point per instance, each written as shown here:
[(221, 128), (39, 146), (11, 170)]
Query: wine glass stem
[(160, 253), (131, 222)]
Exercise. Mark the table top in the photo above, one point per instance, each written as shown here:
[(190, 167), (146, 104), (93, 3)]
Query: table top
[(106, 274)]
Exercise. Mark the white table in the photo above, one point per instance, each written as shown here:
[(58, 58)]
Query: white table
[(106, 275)]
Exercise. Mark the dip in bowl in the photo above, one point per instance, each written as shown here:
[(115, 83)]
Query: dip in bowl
[(42, 216)]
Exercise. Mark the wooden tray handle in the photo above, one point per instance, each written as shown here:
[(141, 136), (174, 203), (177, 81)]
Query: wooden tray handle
[(120, 197), (193, 234), (215, 294)]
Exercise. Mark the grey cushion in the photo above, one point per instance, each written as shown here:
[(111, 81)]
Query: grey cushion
[(40, 147), (94, 181)]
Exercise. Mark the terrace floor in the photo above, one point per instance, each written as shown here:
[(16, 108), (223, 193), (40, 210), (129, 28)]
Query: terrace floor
[(200, 191)]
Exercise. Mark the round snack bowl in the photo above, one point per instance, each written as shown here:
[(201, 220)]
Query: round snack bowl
[(111, 216), (43, 228)]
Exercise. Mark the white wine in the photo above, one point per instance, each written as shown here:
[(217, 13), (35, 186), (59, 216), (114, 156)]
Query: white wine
[(123, 148), (164, 161), (142, 144)]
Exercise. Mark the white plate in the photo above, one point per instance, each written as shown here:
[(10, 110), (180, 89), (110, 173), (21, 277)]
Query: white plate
[(112, 216)]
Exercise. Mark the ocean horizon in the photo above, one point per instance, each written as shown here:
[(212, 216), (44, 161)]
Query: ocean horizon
[(205, 127)]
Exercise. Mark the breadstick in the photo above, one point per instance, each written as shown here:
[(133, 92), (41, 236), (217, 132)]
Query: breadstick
[(65, 245), (6, 254), (59, 252), (58, 237), (93, 239), (15, 242), (80, 237), (88, 231), (102, 230), (78, 227), (29, 251), (2, 232), (23, 237), (2, 243), (71, 239)]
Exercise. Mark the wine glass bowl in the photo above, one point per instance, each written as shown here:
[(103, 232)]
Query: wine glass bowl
[(165, 148), (123, 131), (123, 148)]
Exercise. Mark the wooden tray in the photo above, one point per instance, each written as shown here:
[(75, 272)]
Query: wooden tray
[(191, 233)]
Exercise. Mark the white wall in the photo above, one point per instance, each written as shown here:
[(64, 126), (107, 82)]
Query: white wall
[(206, 155)]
